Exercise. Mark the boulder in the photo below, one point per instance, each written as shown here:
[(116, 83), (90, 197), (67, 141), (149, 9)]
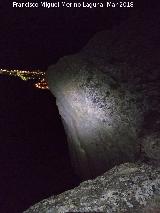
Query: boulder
[(108, 96), (126, 188)]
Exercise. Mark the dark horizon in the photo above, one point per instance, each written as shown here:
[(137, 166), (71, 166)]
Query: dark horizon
[(36, 38)]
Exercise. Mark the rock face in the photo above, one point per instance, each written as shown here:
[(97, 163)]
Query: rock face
[(125, 188), (108, 96)]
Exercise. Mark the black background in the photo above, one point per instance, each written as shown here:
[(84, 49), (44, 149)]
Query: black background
[(34, 160)]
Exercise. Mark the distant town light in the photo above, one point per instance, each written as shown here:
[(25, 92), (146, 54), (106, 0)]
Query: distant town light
[(24, 75)]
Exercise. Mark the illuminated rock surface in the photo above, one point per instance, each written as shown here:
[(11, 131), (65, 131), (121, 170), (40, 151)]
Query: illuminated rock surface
[(125, 188), (108, 96)]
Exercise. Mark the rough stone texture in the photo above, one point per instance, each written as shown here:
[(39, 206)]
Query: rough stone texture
[(125, 188), (108, 96)]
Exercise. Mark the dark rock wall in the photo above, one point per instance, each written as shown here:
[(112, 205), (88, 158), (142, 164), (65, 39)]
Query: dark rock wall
[(108, 96)]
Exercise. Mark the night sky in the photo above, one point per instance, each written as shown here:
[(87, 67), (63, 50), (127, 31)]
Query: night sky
[(34, 160)]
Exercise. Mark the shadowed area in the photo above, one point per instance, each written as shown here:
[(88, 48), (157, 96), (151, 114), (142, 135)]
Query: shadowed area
[(34, 160)]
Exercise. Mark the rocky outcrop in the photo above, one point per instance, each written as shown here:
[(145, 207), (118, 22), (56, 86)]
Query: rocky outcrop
[(125, 188), (108, 96)]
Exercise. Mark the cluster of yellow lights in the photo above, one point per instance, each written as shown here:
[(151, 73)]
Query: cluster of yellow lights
[(42, 84), (37, 75)]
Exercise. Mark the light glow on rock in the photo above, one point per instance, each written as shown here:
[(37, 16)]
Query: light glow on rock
[(93, 112)]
